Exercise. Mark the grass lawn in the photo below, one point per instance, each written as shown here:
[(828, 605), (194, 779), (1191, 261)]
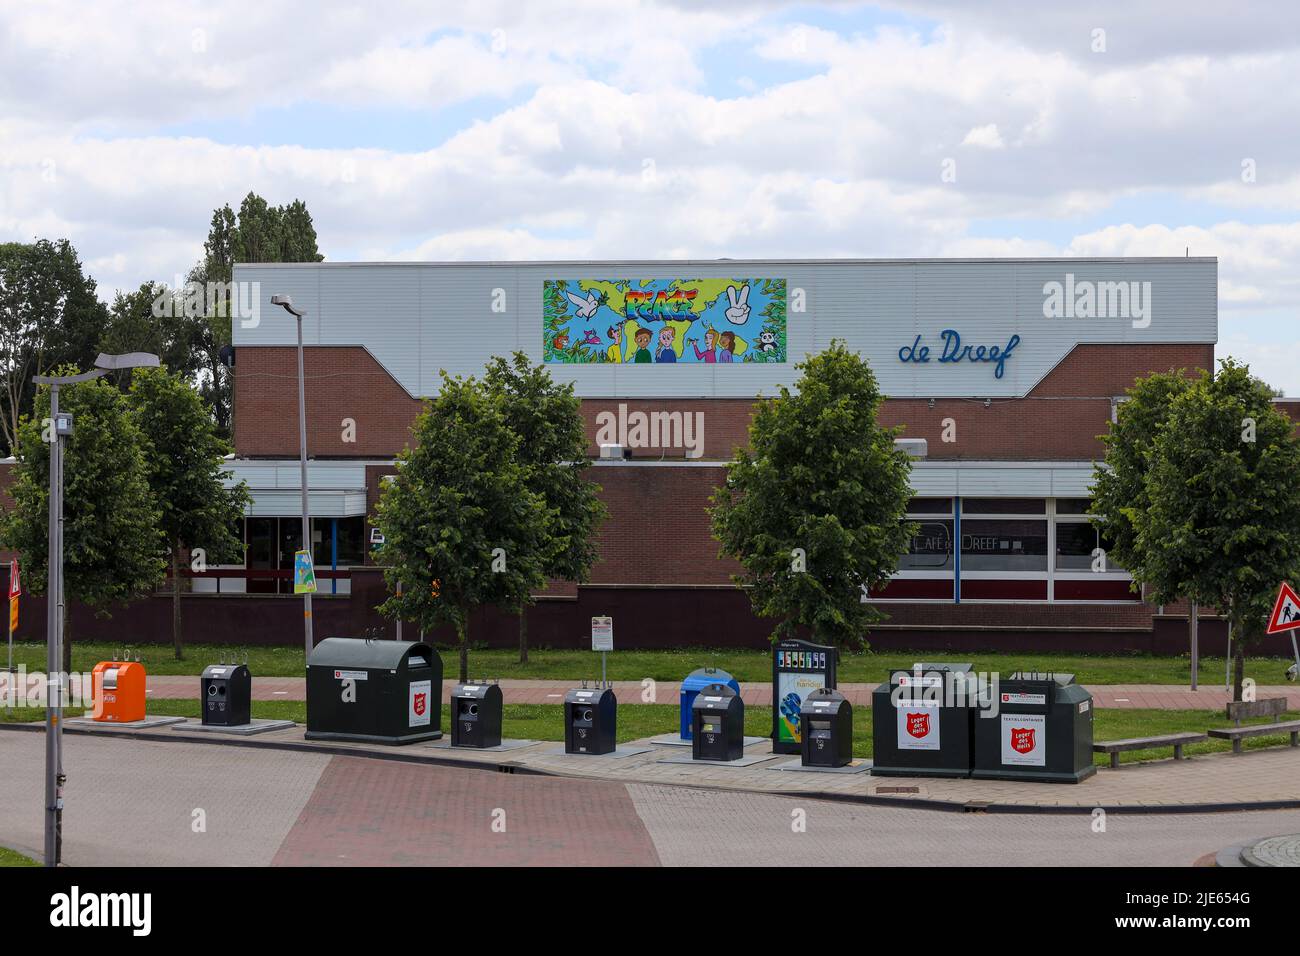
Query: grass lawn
[(545, 722), (14, 858), (671, 665)]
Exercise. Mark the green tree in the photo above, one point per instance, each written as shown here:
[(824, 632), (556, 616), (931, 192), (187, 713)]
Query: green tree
[(49, 316), (462, 529), (814, 509), (259, 232), (1119, 491), (1222, 527), (156, 319), (547, 418), (112, 546), (183, 455)]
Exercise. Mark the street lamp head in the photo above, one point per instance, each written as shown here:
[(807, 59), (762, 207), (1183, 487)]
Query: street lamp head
[(287, 303), (112, 363)]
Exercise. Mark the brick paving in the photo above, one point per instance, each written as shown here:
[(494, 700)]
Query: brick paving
[(377, 813), (1156, 696)]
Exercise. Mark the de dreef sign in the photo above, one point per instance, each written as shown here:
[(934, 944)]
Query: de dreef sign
[(952, 351)]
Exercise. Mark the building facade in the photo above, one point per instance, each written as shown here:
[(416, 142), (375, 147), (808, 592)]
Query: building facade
[(1007, 371)]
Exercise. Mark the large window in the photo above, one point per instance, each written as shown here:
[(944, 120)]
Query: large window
[(931, 547), (1080, 538), (1012, 549), (1003, 544), (350, 532)]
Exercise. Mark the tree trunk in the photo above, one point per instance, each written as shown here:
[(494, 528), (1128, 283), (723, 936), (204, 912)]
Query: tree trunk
[(176, 600), (523, 635), (1238, 665), (464, 649)]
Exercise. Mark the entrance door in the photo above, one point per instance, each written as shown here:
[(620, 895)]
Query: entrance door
[(290, 543), (262, 553)]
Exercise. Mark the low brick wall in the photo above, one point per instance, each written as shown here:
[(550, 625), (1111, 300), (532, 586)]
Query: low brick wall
[(645, 618)]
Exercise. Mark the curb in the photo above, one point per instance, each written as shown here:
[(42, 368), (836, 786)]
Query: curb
[(401, 755)]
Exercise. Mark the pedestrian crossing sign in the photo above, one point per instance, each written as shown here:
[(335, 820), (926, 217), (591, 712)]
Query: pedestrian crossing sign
[(304, 575), (1286, 613)]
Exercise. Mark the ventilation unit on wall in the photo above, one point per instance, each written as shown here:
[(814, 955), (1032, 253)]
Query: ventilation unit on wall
[(915, 447), (616, 452)]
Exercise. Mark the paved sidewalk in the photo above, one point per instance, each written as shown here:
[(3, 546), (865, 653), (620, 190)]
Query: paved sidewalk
[(1156, 696), (1260, 778)]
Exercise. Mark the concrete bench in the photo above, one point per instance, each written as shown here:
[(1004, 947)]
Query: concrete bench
[(1239, 710), (1116, 747), (1238, 734)]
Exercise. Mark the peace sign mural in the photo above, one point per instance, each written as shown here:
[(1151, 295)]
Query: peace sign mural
[(663, 321)]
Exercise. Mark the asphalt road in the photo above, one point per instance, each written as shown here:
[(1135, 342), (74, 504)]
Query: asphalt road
[(153, 803)]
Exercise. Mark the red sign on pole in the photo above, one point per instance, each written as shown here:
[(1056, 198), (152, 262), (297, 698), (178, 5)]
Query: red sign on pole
[(15, 587), (1286, 612)]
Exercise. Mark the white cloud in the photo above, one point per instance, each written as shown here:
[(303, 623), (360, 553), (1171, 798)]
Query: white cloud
[(986, 137), (619, 143)]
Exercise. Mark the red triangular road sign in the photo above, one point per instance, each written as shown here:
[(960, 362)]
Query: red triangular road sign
[(1286, 612), (15, 588)]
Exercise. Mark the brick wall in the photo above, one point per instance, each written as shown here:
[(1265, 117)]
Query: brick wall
[(1060, 419), (342, 383), (657, 531)]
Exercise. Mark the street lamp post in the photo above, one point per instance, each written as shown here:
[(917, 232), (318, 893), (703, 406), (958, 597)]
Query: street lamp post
[(60, 427), (287, 304)]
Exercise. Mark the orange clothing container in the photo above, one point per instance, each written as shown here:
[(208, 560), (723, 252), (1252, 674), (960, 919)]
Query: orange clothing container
[(118, 690)]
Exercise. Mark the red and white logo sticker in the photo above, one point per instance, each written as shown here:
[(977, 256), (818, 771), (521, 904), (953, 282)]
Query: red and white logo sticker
[(418, 713), (1023, 740), (918, 725)]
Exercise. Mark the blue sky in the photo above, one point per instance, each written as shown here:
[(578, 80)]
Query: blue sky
[(494, 130)]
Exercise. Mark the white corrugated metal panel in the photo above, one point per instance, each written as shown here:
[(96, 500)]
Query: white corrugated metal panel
[(933, 479), (269, 503), (418, 318), (271, 474)]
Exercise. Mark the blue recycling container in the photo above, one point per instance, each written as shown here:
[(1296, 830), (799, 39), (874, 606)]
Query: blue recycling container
[(695, 682)]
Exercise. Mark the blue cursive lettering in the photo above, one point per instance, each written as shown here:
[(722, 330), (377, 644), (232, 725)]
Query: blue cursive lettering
[(954, 351), (914, 352)]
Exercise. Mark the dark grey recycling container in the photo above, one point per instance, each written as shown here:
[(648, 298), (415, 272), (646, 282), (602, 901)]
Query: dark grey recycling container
[(717, 724), (476, 715), (226, 695), (1043, 731), (827, 722), (387, 692), (914, 736)]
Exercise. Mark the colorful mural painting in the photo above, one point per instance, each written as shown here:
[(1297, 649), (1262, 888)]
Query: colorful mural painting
[(663, 321)]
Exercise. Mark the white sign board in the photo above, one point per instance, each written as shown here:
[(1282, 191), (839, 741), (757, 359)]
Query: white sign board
[(420, 707), (918, 725), (602, 633), (1024, 740), (1035, 700)]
